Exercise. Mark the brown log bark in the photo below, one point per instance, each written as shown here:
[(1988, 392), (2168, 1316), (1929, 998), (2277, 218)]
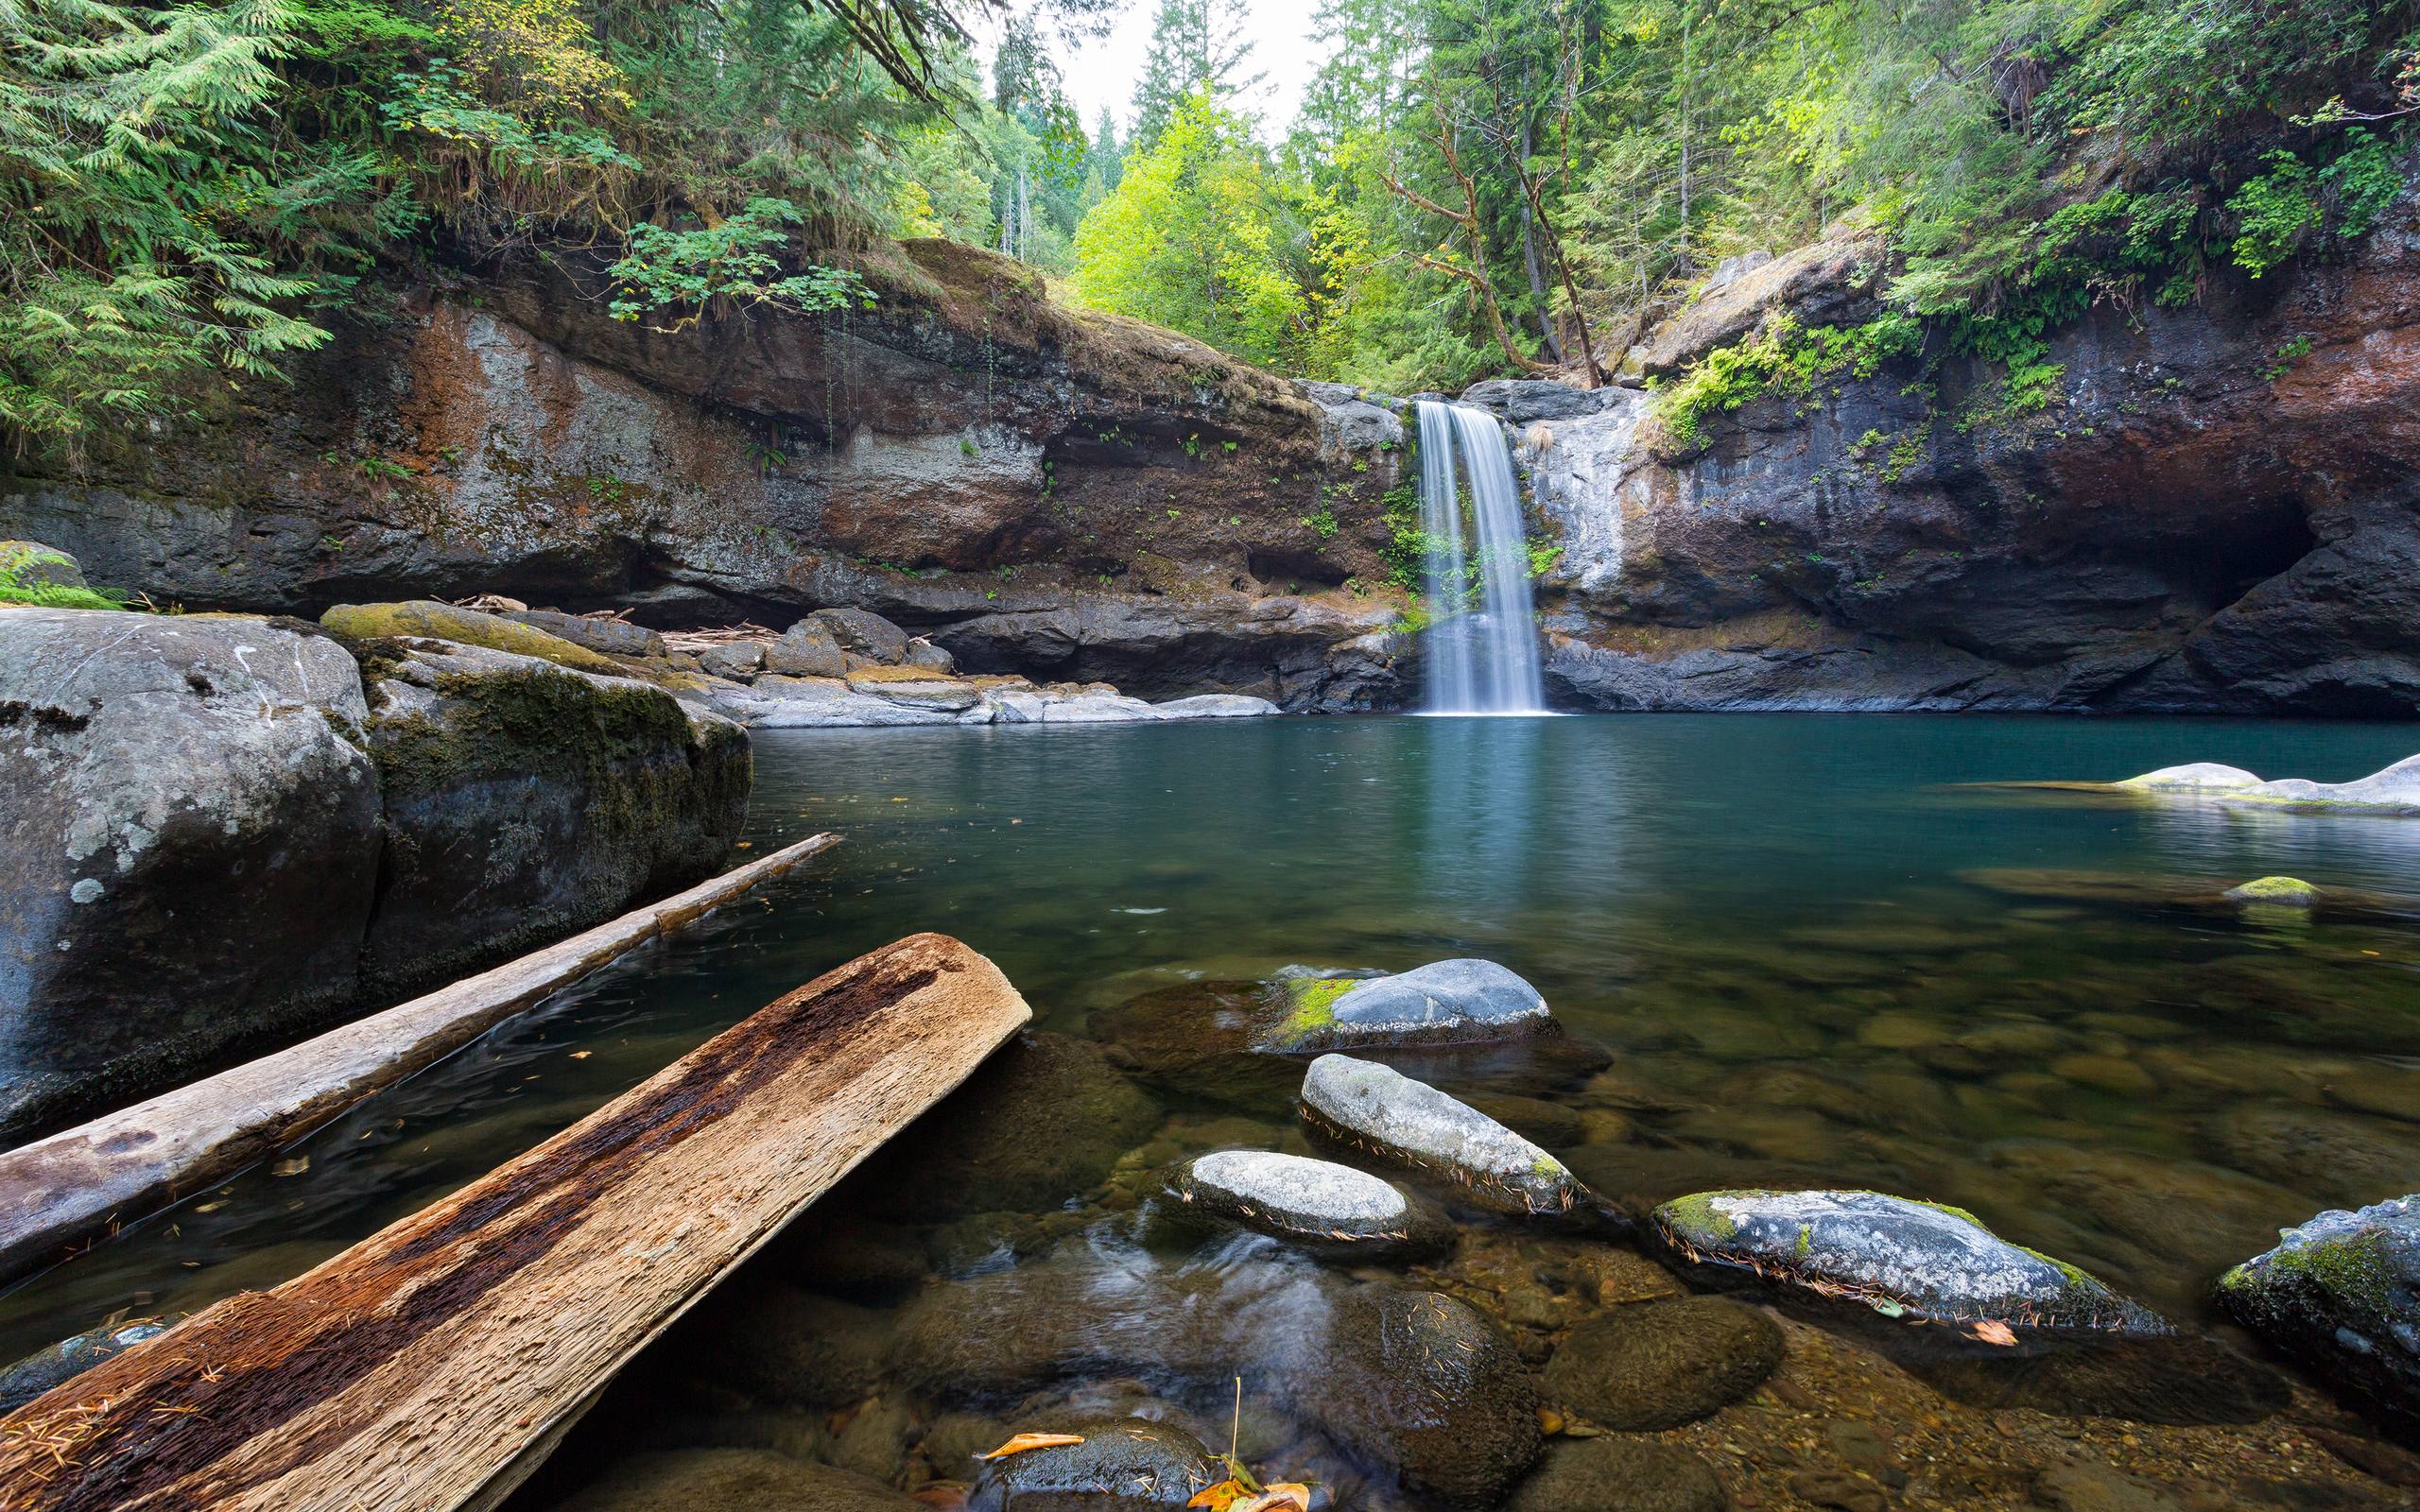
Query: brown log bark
[(422, 1369)]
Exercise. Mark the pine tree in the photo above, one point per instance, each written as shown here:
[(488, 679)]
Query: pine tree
[(1198, 47)]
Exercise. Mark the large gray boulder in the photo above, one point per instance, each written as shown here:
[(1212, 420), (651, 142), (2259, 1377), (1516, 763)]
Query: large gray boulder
[(613, 637), (866, 633), (1122, 1465), (1215, 706), (1897, 1255), (808, 649), (525, 800), (1453, 1002), (1322, 1206), (1387, 1115), (189, 823), (2193, 777), (2342, 1293), (31, 564)]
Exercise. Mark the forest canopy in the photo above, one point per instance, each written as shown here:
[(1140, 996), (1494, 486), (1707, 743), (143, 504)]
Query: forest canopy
[(1471, 187)]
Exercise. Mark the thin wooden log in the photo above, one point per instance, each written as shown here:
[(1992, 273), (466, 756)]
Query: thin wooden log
[(417, 1371), (57, 1194)]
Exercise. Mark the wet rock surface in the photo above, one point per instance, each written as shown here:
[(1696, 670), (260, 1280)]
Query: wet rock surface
[(725, 1480), (1388, 1116), (1054, 1115), (1659, 1365), (1613, 1474), (1422, 1385), (38, 1372), (1123, 1465), (1937, 1262), (2341, 1292), (1318, 1204)]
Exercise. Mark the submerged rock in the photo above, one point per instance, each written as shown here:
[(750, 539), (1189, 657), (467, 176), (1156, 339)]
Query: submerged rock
[(1317, 1204), (1384, 1113), (724, 1480), (1443, 1003), (69, 1358), (1042, 1121), (1620, 1474), (2194, 777), (2342, 1293), (1123, 1465), (1896, 1255), (1648, 1365), (2275, 892), (1422, 1385)]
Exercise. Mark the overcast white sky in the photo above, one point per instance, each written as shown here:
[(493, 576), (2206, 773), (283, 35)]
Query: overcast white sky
[(1104, 72)]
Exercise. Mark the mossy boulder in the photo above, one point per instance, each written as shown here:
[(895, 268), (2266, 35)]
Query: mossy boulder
[(2193, 777), (2290, 893), (1123, 1465), (1448, 1002), (355, 622), (1650, 1365), (1041, 1122), (2341, 1293), (1386, 1116), (31, 564), (525, 801), (1423, 1385), (1899, 1256), (190, 827), (725, 1480)]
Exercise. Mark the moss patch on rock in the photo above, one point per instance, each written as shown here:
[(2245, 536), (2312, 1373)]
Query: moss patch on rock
[(445, 622)]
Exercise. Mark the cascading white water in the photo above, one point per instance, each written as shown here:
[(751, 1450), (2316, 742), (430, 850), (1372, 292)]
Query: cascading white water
[(1482, 660)]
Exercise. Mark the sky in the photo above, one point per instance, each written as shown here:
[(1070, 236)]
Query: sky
[(1103, 73)]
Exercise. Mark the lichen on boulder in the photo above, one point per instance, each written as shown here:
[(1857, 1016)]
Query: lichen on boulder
[(1897, 1255), (2275, 892), (2342, 1293)]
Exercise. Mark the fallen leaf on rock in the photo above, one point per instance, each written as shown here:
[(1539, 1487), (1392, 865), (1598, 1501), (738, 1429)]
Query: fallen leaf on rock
[(1991, 1331), (1550, 1423), (1026, 1441), (1221, 1497), (1280, 1495)]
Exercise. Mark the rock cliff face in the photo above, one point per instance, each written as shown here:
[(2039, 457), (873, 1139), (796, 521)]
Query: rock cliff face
[(2217, 514), (1073, 498), (2221, 513)]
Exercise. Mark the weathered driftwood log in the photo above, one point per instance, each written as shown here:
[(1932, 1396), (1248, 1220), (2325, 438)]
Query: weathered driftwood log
[(59, 1194), (427, 1367)]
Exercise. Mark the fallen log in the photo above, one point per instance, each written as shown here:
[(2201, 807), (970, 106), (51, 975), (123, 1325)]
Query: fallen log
[(59, 1194), (430, 1365)]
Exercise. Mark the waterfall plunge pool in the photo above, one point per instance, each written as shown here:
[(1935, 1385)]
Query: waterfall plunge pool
[(1813, 951)]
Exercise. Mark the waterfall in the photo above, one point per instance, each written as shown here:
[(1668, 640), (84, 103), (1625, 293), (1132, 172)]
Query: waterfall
[(1482, 660)]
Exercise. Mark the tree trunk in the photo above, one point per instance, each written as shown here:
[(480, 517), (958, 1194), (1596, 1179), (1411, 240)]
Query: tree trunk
[(428, 1368)]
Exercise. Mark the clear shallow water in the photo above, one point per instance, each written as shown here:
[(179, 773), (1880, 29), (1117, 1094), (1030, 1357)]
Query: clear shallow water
[(1814, 950)]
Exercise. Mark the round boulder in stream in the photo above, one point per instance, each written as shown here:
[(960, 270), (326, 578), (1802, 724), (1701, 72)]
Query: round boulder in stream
[(1123, 1465), (2342, 1293), (1648, 1366), (1443, 1003), (1324, 1207), (1385, 1114), (1421, 1384), (1897, 1255)]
